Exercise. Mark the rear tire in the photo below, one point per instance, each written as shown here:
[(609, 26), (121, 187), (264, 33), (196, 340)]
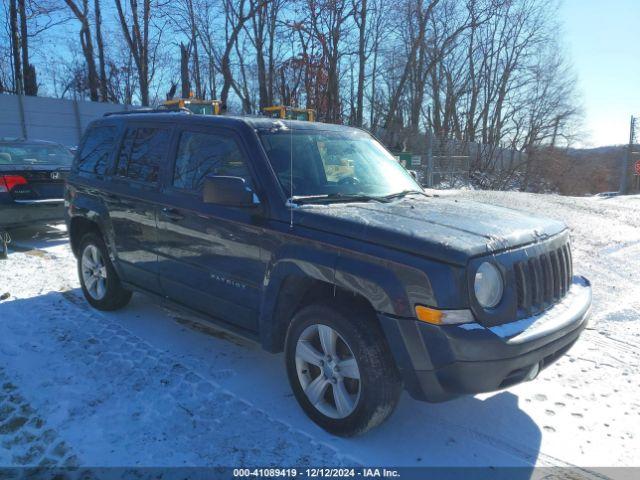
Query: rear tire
[(324, 382), (99, 281)]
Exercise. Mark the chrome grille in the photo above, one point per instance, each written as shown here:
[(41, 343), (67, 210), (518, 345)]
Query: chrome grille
[(543, 280)]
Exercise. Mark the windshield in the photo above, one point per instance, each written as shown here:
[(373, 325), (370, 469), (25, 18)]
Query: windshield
[(25, 154), (336, 164), (297, 115), (200, 108)]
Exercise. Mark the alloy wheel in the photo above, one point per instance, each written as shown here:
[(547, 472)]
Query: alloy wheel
[(94, 272), (328, 371)]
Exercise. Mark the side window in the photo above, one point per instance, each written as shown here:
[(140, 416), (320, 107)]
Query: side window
[(142, 152), (96, 150), (202, 154)]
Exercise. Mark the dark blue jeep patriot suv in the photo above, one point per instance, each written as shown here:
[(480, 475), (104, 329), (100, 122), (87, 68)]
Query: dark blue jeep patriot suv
[(311, 239)]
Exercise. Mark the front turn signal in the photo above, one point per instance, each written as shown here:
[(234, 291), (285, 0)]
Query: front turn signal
[(443, 317)]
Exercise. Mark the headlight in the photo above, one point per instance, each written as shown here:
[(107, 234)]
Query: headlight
[(488, 285)]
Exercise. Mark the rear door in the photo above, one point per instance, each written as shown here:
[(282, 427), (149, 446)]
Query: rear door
[(133, 198), (210, 256)]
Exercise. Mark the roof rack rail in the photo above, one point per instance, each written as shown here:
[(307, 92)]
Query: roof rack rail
[(148, 110)]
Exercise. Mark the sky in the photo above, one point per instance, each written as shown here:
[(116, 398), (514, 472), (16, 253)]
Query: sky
[(603, 43)]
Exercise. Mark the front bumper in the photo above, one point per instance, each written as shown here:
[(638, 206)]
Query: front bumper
[(438, 363), (28, 212)]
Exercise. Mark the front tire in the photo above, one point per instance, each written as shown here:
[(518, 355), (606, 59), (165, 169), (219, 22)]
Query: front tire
[(99, 281), (340, 369)]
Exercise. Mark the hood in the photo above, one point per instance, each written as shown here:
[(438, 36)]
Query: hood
[(441, 228)]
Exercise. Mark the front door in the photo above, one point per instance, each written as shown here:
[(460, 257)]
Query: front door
[(210, 256)]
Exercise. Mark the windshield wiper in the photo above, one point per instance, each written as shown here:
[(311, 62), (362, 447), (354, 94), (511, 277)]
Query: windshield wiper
[(356, 197), (335, 197), (404, 193)]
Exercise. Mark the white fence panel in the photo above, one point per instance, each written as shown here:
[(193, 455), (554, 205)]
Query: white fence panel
[(50, 119), (10, 119), (54, 119)]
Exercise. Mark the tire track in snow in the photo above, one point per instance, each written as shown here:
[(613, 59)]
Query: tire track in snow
[(171, 405), (539, 458), (534, 457), (25, 436)]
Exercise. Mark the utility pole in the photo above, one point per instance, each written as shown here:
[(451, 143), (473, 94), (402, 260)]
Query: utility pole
[(626, 163)]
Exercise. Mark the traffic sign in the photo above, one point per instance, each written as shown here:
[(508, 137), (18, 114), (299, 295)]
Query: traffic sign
[(637, 167)]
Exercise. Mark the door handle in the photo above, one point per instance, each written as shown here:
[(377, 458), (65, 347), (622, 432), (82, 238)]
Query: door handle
[(171, 214)]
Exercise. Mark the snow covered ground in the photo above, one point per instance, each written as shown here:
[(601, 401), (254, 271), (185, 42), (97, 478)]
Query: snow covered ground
[(151, 387)]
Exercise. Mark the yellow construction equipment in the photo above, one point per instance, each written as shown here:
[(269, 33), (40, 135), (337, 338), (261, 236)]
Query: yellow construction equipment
[(290, 113), (200, 107)]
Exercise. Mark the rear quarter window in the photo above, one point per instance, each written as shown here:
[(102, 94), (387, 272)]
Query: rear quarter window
[(94, 155)]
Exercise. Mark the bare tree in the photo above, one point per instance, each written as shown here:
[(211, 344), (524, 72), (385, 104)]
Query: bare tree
[(422, 13), (235, 19), (185, 17), (136, 28), (482, 74), (24, 73), (81, 12), (261, 33), (327, 22)]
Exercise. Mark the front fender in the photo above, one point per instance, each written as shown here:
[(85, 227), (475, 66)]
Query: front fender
[(389, 288), (298, 264)]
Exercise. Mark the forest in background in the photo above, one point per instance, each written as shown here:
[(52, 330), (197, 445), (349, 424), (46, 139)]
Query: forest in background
[(491, 72)]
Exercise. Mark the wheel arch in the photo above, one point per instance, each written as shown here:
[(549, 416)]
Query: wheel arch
[(79, 226), (293, 283)]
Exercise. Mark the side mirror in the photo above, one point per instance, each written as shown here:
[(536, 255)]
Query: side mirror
[(230, 191)]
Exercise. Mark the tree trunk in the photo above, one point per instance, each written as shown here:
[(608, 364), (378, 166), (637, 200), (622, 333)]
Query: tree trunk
[(259, 23), (373, 119), (144, 90), (87, 48), (212, 79), (361, 63), (271, 57), (138, 42), (185, 84), (103, 74), (87, 45), (31, 87), (260, 62), (225, 61), (28, 71), (411, 59), (262, 79), (227, 78), (194, 45), (18, 84)]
